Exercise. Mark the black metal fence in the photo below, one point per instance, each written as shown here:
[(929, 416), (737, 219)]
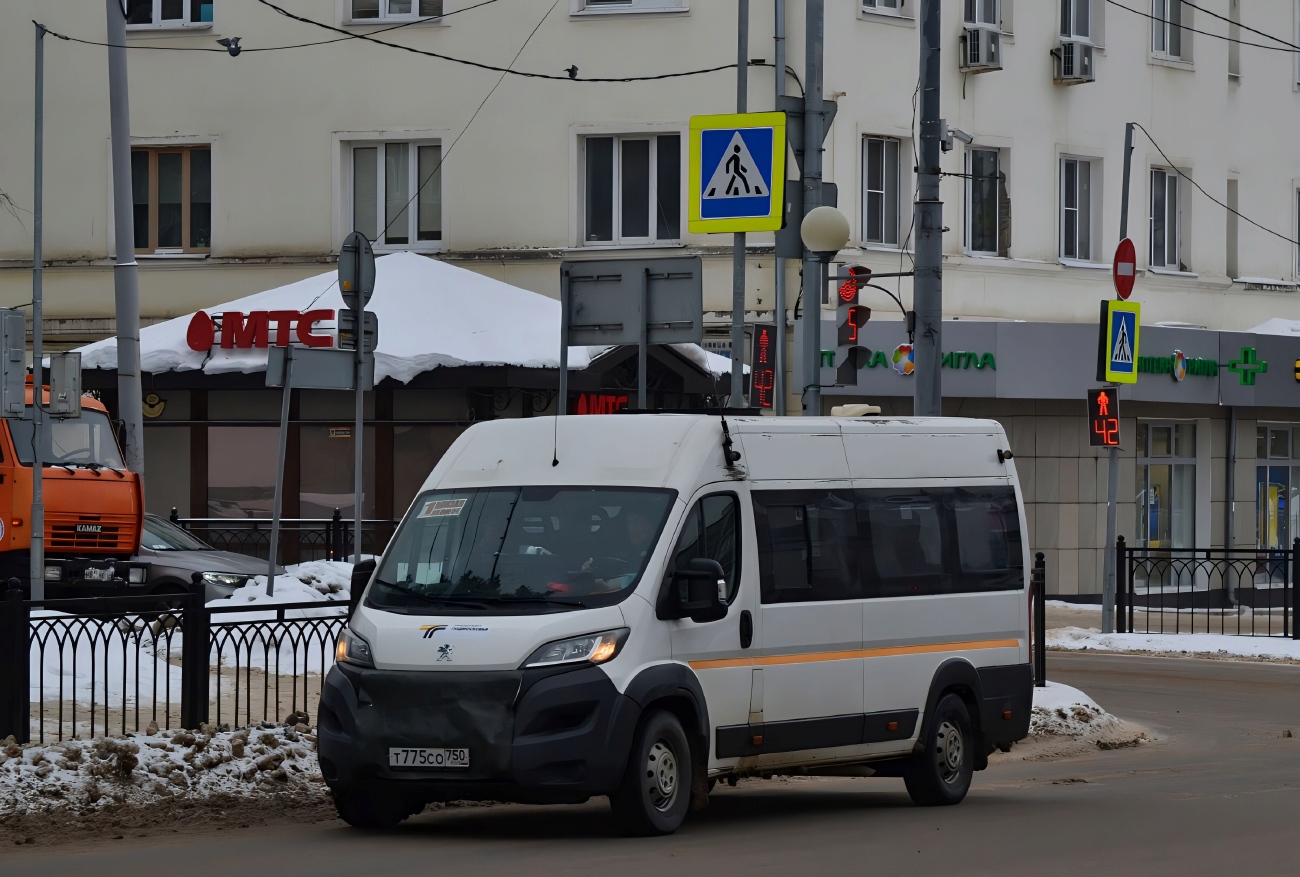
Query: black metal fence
[(1243, 592), (119, 664), (1038, 604), (301, 539)]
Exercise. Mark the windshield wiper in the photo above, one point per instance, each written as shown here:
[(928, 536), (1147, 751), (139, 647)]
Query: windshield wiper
[(553, 601), (436, 600)]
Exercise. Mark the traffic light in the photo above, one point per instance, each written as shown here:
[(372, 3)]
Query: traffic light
[(849, 318), (1103, 418)]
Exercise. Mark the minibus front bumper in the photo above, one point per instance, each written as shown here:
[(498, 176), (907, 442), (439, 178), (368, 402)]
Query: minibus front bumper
[(534, 736)]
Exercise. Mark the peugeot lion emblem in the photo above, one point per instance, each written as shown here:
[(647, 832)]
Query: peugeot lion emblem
[(444, 652)]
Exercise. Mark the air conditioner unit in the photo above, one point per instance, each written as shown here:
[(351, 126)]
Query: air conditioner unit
[(981, 50), (1074, 62)]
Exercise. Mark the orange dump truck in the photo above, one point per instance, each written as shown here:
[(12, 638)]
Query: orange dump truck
[(94, 508)]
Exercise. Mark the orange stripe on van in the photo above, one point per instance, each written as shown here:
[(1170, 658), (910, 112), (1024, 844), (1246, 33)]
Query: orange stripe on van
[(850, 654)]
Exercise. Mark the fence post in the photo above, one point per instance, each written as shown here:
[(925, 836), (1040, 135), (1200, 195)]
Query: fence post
[(1121, 586), (15, 643), (1289, 595), (1040, 620), (197, 637), (336, 539)]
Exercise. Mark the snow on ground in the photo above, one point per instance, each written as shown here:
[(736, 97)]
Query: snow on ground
[(1065, 721), (106, 772), (1201, 645)]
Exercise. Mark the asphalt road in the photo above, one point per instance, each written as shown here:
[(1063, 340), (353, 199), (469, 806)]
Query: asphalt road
[(1218, 794)]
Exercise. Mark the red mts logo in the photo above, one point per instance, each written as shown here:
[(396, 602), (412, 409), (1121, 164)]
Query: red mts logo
[(246, 331), (599, 403)]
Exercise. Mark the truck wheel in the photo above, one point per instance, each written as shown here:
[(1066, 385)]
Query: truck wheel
[(940, 775), (656, 789), (364, 808)]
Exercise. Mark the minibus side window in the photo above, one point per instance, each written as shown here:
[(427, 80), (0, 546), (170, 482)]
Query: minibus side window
[(987, 530), (902, 543), (712, 531), (806, 542)]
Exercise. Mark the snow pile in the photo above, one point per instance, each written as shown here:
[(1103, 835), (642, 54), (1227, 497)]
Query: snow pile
[(1199, 645), (85, 660), (1061, 712), (162, 766), (317, 581)]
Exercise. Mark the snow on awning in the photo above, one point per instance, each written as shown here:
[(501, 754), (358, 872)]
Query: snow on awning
[(431, 314)]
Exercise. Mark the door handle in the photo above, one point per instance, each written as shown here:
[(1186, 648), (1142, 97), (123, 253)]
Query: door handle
[(746, 629)]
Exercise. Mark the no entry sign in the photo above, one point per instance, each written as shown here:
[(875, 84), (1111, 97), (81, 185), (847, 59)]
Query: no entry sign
[(1124, 270)]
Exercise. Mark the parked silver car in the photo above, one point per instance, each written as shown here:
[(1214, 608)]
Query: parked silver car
[(175, 556)]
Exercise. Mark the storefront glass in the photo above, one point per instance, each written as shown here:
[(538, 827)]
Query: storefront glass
[(241, 470), (417, 448), (326, 471), (1277, 483), (1166, 479)]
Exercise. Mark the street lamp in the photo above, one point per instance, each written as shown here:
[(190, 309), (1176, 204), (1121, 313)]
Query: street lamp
[(824, 231)]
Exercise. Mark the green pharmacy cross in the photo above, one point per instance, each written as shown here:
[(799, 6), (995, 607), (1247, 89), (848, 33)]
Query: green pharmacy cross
[(1248, 366)]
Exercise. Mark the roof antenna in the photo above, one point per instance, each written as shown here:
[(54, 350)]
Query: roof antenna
[(729, 453), (555, 434)]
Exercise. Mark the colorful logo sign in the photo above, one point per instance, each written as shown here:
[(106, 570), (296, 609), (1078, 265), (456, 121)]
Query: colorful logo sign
[(253, 329), (904, 359), (1178, 366)]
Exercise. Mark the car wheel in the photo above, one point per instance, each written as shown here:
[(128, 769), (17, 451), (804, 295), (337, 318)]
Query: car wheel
[(365, 808), (656, 789), (941, 773)]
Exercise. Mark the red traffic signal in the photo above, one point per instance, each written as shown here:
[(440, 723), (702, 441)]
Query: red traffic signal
[(1103, 418), (858, 275)]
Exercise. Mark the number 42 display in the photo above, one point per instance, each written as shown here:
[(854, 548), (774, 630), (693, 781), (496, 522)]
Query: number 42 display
[(1103, 418)]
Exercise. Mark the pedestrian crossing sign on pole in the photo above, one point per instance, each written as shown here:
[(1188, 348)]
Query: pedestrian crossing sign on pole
[(1121, 323), (737, 173)]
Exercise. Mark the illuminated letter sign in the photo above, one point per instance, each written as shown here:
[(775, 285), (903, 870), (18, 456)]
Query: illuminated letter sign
[(245, 331), (762, 367)]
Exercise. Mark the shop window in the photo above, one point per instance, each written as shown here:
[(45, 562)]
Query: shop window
[(172, 199), (1277, 485), (417, 448), (1166, 473), (325, 471), (241, 470), (167, 470)]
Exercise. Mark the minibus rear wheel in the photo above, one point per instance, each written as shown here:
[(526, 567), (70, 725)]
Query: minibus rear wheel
[(940, 775), (656, 789)]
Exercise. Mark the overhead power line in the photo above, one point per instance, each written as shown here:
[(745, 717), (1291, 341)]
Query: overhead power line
[(1289, 48), (1240, 25)]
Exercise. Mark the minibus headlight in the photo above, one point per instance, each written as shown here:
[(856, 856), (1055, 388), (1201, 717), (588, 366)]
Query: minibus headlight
[(352, 649), (592, 648)]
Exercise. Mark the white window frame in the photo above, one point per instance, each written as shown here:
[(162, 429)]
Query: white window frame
[(1163, 27), (384, 17), (1094, 212), (1296, 203), (617, 237), (970, 198), (183, 23), (344, 195), (896, 8), (1173, 221), (626, 7), (897, 182), (1070, 17)]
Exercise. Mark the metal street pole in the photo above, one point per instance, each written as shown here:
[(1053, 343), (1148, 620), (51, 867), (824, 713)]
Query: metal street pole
[(812, 197), (778, 384), (37, 516), (357, 431), (278, 502), (736, 398), (126, 289), (927, 287), (1112, 476)]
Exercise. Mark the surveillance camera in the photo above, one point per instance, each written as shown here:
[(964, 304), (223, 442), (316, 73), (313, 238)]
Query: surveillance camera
[(962, 136)]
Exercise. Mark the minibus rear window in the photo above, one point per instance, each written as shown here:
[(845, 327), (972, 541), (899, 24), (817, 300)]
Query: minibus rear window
[(846, 544), (520, 549)]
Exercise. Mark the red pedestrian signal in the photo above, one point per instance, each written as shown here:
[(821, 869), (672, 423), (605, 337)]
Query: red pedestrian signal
[(1103, 418)]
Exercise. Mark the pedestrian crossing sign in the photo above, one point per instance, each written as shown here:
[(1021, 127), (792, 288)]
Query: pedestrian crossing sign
[(1121, 324), (737, 173)]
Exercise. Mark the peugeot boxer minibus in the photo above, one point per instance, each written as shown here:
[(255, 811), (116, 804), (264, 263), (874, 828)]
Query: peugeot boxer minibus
[(637, 606)]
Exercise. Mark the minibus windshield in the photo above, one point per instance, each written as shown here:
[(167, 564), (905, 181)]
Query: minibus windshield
[(521, 550)]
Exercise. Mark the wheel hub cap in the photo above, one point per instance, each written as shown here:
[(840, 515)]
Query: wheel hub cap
[(951, 751), (661, 771)]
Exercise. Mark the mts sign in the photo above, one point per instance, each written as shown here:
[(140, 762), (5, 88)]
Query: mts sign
[(253, 329)]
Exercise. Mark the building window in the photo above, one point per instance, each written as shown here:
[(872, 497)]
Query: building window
[(880, 191), (1166, 471), (1076, 19), (1166, 227), (1167, 29), (1277, 485), (885, 7), (142, 14), (394, 10), (988, 207), (172, 197), (1076, 209), (632, 188), (396, 193), (578, 7), (982, 12)]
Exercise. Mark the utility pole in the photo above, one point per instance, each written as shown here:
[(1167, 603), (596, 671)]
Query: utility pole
[(37, 516), (927, 288), (813, 133), (779, 389), (736, 399), (126, 288), (1112, 474)]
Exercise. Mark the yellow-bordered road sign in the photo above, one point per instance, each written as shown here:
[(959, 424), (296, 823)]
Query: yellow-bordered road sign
[(736, 173), (1121, 324)]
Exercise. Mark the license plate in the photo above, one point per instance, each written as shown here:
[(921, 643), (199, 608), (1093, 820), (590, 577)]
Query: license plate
[(98, 575), (427, 758)]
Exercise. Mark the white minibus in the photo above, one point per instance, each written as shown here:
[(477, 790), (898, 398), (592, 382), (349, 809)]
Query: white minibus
[(638, 606)]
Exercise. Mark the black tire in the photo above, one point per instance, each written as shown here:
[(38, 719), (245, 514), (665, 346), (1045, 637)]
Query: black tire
[(941, 774), (656, 790), (365, 808)]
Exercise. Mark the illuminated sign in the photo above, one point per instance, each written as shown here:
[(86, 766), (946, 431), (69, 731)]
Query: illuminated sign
[(762, 366), (245, 331), (903, 359), (1178, 366), (1248, 366), (1103, 418), (600, 403)]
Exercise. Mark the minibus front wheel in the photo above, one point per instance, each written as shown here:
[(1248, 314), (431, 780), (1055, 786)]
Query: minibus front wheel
[(941, 773), (367, 808), (656, 789)]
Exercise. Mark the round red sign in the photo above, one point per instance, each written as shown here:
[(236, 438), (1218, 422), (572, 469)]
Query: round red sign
[(1124, 270)]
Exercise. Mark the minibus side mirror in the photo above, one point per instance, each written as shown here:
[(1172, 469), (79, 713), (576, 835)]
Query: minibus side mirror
[(701, 590), (361, 573)]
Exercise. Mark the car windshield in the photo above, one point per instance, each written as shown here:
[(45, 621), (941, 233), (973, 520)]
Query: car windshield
[(523, 550), (71, 441), (160, 535)]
